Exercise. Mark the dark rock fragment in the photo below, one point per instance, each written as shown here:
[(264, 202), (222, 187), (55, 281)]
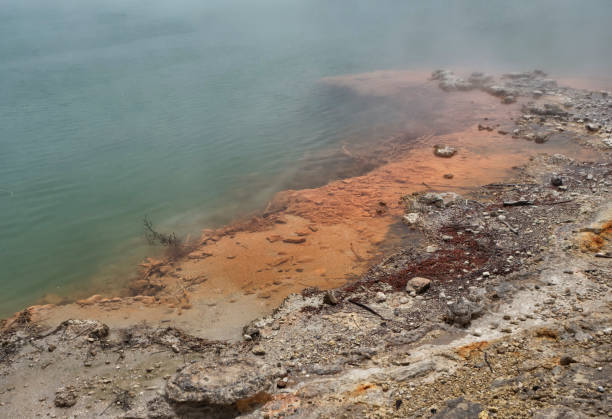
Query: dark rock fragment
[(556, 180), (459, 408), (65, 397)]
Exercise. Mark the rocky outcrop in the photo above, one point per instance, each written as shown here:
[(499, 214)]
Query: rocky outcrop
[(229, 386)]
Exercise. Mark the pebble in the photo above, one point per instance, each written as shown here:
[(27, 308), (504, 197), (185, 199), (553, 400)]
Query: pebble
[(556, 180), (380, 297), (258, 350), (411, 218), (593, 127), (418, 284), (444, 151), (330, 298)]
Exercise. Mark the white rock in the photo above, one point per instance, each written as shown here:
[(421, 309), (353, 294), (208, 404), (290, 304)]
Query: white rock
[(411, 218), (444, 151), (418, 284)]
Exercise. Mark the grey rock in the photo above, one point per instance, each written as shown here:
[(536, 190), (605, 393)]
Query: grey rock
[(459, 409), (450, 198), (330, 298), (411, 218), (411, 371), (65, 397), (558, 412), (156, 408), (592, 127), (504, 382), (449, 81), (220, 385), (462, 312), (499, 91), (431, 198), (547, 109), (418, 284), (443, 199), (541, 137), (479, 80), (251, 330), (319, 369)]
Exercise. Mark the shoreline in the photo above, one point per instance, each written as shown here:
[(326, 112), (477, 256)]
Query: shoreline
[(336, 207), (494, 300)]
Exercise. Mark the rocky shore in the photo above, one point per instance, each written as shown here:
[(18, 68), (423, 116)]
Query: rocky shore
[(498, 305)]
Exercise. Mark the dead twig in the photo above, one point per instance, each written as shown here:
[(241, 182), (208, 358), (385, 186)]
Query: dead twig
[(89, 329), (359, 258), (512, 229), (603, 255), (519, 203), (365, 307), (557, 202)]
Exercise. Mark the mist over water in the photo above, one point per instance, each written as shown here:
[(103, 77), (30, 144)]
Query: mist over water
[(196, 112)]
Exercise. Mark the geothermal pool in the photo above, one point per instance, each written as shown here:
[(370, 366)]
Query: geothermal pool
[(194, 113)]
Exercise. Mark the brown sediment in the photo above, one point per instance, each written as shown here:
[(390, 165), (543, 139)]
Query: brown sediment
[(323, 237), (472, 349), (596, 238)]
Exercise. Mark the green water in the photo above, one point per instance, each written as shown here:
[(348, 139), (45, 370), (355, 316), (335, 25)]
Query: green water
[(196, 112)]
